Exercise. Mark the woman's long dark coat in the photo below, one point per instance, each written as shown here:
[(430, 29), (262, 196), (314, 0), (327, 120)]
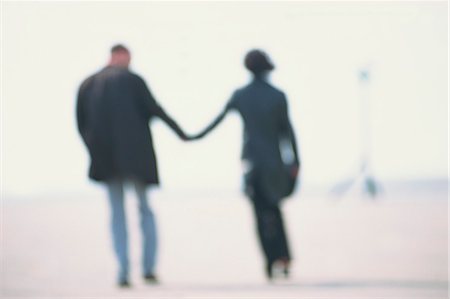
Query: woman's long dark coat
[(114, 107)]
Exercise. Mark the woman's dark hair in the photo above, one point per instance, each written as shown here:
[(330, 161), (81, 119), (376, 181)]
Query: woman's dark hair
[(257, 62)]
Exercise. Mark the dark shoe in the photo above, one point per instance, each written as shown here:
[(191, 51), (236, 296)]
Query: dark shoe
[(285, 264), (151, 278), (269, 272), (124, 284), (278, 268)]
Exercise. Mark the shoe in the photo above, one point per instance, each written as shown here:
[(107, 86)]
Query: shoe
[(124, 283), (269, 272), (151, 278), (286, 271), (278, 268), (285, 265)]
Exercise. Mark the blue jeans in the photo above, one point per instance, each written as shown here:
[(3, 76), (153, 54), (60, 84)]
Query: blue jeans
[(119, 228)]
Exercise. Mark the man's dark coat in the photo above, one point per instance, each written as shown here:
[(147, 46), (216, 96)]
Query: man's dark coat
[(114, 107)]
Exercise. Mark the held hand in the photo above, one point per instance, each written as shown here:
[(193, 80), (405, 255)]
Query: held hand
[(190, 137), (194, 137), (182, 135), (187, 137)]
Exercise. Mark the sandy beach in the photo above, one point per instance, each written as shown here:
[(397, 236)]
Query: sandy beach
[(346, 248)]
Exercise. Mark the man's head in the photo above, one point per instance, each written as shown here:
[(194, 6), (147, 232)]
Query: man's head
[(120, 56)]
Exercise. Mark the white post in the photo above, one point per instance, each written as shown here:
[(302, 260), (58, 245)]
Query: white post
[(364, 175), (369, 184)]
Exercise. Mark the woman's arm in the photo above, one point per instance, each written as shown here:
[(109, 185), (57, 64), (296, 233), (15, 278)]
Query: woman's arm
[(288, 131), (211, 127), (231, 104)]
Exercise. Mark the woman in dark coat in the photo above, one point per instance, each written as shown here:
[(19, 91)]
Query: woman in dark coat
[(264, 111)]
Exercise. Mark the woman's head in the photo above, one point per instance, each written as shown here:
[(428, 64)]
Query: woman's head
[(257, 62)]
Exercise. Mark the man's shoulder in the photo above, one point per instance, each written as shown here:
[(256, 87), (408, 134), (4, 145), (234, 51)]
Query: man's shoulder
[(135, 76), (108, 74), (116, 72), (88, 81), (92, 77)]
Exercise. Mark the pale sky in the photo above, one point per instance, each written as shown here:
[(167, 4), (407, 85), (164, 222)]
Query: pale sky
[(191, 57)]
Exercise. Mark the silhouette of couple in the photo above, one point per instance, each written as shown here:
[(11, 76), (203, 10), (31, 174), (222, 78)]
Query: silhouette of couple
[(114, 107)]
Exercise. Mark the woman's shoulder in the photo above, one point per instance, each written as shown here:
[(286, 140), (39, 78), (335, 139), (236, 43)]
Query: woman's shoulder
[(274, 89), (265, 86)]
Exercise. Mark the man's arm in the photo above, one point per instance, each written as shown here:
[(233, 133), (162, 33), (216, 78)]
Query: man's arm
[(170, 122), (81, 109), (152, 108)]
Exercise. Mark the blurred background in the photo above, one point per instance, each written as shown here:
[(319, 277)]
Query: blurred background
[(191, 54)]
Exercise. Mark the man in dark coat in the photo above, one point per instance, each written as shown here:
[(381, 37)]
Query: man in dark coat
[(269, 178), (114, 107)]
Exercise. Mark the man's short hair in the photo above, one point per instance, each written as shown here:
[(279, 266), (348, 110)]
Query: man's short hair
[(119, 48)]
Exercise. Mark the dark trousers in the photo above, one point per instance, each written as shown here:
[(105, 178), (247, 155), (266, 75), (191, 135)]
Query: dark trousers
[(271, 232)]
